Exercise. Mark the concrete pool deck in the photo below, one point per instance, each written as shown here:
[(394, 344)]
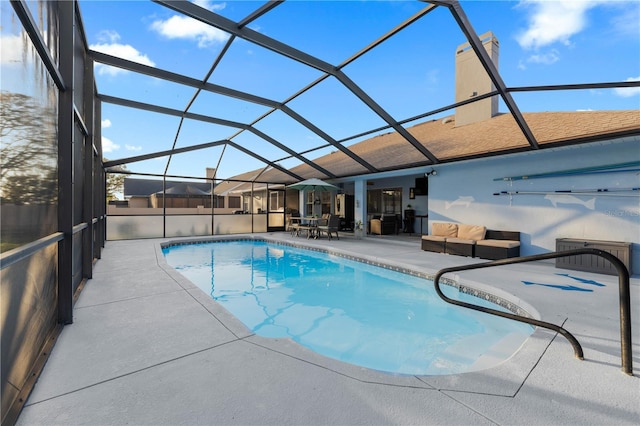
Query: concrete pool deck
[(147, 347)]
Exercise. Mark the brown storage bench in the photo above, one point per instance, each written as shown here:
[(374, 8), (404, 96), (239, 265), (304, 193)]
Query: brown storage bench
[(593, 263)]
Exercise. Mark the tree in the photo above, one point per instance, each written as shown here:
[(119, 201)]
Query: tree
[(28, 168), (115, 182), (29, 152)]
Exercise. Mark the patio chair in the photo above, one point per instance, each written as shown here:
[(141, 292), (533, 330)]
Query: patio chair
[(331, 226), (293, 225), (313, 226), (385, 225), (309, 225)]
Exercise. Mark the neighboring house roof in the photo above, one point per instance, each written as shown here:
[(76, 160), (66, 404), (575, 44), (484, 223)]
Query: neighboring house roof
[(239, 182), (495, 136), (134, 187), (185, 189)]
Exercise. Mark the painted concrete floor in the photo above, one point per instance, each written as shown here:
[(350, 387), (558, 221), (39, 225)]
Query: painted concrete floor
[(149, 348)]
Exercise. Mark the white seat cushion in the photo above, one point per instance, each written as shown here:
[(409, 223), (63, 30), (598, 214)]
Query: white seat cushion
[(434, 238), (499, 243)]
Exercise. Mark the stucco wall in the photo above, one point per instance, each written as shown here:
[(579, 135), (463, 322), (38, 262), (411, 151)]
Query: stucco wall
[(464, 193)]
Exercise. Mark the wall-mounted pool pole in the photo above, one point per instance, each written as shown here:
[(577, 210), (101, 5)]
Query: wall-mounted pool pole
[(624, 296)]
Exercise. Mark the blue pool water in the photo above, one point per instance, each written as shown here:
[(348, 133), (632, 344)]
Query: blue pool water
[(348, 310)]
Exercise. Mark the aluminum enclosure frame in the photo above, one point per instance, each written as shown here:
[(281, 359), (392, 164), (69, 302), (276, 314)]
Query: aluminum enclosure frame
[(240, 30)]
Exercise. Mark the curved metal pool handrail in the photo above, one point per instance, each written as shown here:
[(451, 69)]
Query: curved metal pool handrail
[(624, 294)]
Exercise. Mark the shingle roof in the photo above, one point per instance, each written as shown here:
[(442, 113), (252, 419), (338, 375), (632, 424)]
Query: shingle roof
[(186, 189), (499, 134), (146, 187)]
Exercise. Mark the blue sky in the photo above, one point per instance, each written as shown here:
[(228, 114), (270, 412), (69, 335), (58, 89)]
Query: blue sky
[(541, 43)]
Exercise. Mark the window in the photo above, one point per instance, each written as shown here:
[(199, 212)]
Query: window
[(234, 202), (276, 201), (392, 200), (325, 198), (309, 203), (218, 202), (384, 201)]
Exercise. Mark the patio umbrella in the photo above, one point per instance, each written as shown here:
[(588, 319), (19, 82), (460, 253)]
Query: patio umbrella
[(313, 185)]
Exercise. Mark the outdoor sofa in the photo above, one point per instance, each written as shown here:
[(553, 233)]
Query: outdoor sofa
[(471, 241)]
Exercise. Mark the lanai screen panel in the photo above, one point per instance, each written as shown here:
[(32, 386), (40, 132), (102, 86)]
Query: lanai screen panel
[(322, 77)]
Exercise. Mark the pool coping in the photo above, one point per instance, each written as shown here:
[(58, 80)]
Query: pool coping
[(505, 377)]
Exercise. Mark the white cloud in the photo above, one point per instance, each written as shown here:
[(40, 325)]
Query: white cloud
[(207, 4), (431, 80), (554, 21), (627, 92), (626, 23), (108, 36), (12, 49), (108, 145), (110, 46), (106, 123), (545, 58), (433, 76), (132, 148), (184, 27)]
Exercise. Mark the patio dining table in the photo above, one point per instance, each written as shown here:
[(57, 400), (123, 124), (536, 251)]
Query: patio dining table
[(310, 224)]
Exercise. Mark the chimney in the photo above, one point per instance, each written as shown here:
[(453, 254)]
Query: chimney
[(472, 80), (211, 172)]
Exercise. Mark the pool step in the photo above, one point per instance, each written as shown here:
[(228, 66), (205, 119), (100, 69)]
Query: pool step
[(472, 354), (500, 351)]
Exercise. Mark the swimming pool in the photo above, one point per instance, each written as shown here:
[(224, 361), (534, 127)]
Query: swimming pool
[(348, 310)]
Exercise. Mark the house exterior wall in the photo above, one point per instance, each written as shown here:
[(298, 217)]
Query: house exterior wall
[(139, 202), (464, 193)]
